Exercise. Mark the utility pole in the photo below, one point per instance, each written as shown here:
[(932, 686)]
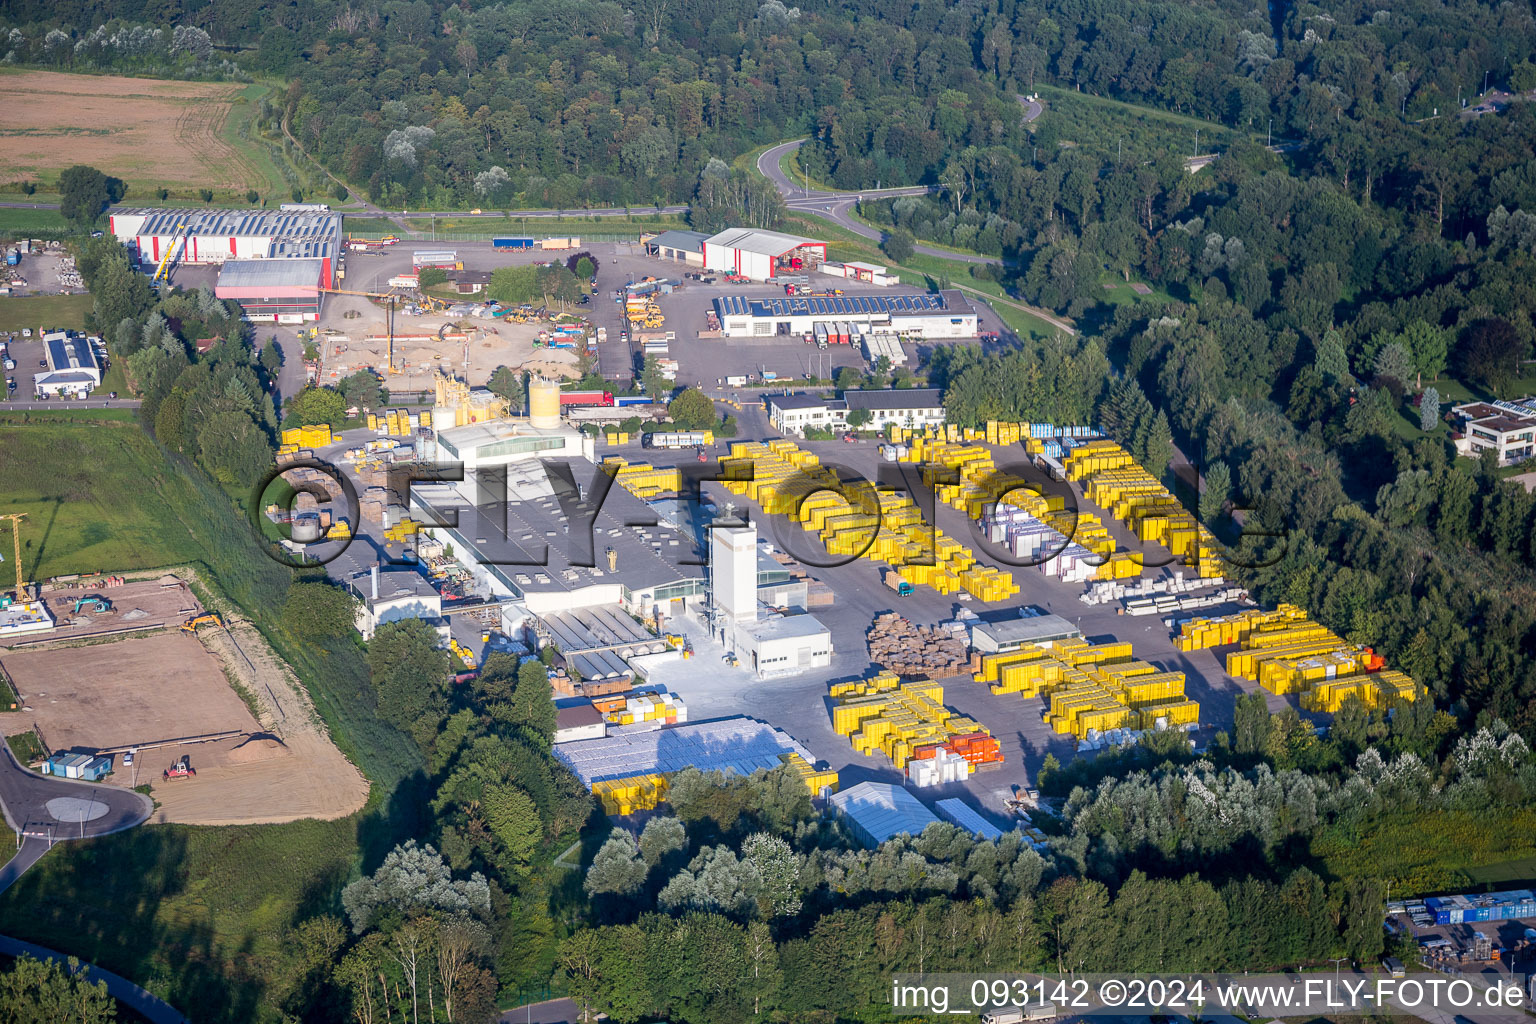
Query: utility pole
[(1485, 83), (1197, 143), (1269, 136)]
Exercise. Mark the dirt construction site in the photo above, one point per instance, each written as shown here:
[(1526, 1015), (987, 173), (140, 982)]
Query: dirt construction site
[(168, 695), (123, 607), (469, 347)]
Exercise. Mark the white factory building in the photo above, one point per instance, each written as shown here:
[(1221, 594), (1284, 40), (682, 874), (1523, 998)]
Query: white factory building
[(394, 594), (74, 369), (219, 236), (761, 255), (944, 314), (770, 645), (902, 407)]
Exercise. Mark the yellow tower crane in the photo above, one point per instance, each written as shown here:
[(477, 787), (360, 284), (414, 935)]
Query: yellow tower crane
[(15, 519), (178, 238), (390, 299)]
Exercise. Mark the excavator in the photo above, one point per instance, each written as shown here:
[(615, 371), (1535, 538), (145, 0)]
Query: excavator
[(92, 603), (390, 300), (206, 619)]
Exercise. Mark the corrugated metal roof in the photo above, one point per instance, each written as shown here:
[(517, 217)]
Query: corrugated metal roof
[(271, 273), (883, 810), (959, 812), (765, 243), (275, 224), (734, 745), (687, 241)]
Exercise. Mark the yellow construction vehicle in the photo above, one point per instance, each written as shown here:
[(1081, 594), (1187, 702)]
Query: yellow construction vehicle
[(206, 619), (163, 269)]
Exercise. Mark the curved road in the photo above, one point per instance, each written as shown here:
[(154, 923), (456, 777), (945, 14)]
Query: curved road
[(50, 810), (150, 1007)]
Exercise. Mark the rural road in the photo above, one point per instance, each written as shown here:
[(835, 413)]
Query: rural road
[(33, 404), (152, 1008), (838, 206), (552, 1011)]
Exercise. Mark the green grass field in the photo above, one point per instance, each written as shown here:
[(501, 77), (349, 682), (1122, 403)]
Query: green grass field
[(1099, 123), (34, 311), (240, 133), (33, 223), (1505, 874), (97, 497), (24, 744), (202, 917)]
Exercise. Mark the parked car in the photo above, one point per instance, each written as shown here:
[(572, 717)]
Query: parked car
[(111, 394), (128, 759)]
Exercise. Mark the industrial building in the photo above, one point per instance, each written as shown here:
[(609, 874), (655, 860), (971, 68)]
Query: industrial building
[(597, 643), (771, 645), (1012, 634), (678, 246), (903, 407), (481, 446), (394, 594), (878, 811), (1507, 429), (958, 812), (944, 314), (275, 291), (738, 746), (527, 543), (759, 255), (74, 370), (218, 236), (576, 719)]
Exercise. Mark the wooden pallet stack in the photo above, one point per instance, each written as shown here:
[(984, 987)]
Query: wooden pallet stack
[(909, 650)]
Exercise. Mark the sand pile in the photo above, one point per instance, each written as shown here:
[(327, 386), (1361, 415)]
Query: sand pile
[(258, 748)]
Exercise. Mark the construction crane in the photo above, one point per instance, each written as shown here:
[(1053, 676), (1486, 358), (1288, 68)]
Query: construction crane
[(164, 269), (16, 518), (391, 299)]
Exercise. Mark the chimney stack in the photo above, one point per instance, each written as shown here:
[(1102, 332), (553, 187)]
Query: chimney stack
[(375, 575)]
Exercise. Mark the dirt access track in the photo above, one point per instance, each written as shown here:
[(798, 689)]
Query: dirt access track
[(142, 130), (278, 765)]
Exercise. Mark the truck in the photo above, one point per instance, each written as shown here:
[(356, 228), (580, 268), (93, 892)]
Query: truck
[(625, 401), (445, 259), (680, 439), (12, 257), (511, 244), (736, 381), (586, 398), (896, 582)]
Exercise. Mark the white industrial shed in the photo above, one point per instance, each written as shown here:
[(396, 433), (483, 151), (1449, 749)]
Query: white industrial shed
[(760, 254), (946, 314), (877, 811)]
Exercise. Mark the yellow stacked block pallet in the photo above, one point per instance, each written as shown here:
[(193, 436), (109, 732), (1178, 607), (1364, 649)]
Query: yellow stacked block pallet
[(883, 714), (1286, 652), (817, 782), (1090, 687), (635, 793)]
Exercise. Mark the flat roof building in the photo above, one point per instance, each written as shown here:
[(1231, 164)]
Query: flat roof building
[(946, 314), (759, 255), (878, 811), (217, 236), (1508, 429), (784, 645), (389, 595), (1012, 634), (533, 544), (73, 368), (903, 407)]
